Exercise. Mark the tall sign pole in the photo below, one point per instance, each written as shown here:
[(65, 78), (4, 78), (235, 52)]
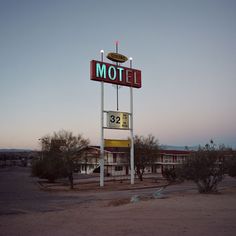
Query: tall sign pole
[(131, 132), (102, 132), (117, 86)]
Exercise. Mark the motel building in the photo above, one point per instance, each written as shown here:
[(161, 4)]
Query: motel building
[(169, 159), (116, 161)]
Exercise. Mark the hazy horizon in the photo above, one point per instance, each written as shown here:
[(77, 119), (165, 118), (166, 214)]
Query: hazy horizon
[(185, 50)]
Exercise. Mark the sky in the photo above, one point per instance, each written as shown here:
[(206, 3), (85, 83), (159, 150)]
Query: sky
[(186, 50)]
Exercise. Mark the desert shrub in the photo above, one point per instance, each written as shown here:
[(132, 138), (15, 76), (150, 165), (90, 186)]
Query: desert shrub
[(170, 174), (204, 168), (230, 166), (37, 168), (51, 167)]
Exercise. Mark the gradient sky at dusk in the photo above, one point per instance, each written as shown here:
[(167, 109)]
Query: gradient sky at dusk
[(186, 50)]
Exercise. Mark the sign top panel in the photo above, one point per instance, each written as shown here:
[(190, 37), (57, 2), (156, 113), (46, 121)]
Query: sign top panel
[(116, 57), (109, 73)]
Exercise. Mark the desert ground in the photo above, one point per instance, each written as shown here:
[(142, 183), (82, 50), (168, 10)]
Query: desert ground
[(178, 213)]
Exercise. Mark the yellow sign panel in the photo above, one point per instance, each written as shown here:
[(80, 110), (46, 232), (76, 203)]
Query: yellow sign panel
[(116, 143)]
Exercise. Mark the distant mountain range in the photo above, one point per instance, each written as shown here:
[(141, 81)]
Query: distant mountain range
[(15, 150)]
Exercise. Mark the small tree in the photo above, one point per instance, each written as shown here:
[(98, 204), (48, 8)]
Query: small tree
[(145, 152), (72, 150), (204, 168), (59, 155)]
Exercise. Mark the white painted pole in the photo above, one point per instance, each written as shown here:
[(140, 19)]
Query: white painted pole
[(131, 133), (102, 132)]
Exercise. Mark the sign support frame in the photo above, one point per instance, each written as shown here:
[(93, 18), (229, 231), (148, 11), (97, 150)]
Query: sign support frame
[(102, 132), (131, 132), (131, 116)]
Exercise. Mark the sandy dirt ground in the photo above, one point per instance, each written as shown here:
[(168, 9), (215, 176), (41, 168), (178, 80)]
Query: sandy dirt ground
[(179, 214)]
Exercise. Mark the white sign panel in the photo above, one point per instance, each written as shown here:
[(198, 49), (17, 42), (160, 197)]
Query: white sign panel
[(117, 120)]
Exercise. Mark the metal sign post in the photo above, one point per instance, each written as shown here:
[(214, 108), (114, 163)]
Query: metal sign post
[(131, 132), (117, 86), (102, 132)]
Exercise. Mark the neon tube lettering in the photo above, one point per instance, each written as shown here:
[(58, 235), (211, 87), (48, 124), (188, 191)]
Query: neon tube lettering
[(101, 70)]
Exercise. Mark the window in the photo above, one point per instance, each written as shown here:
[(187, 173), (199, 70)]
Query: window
[(167, 159), (118, 168), (114, 157)]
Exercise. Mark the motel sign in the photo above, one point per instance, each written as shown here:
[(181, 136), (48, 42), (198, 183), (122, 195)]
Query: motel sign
[(119, 75), (109, 73)]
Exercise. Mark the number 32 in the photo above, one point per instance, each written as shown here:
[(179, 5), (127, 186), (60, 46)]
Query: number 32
[(115, 119)]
